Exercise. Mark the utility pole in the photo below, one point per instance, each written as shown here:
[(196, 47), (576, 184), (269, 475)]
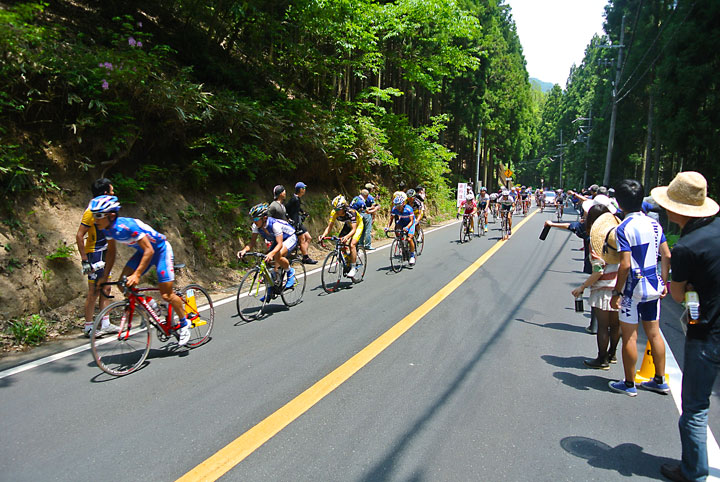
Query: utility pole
[(613, 116), (477, 162), (561, 146)]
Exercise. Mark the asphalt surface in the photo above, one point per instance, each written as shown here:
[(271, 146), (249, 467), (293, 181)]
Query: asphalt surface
[(489, 385)]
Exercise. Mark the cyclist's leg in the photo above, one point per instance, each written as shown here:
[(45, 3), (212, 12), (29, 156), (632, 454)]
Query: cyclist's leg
[(164, 263)]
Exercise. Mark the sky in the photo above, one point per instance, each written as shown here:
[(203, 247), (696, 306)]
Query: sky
[(554, 34)]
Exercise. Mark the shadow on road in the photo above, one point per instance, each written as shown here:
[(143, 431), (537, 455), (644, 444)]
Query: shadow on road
[(383, 470), (555, 326), (626, 459), (584, 382)]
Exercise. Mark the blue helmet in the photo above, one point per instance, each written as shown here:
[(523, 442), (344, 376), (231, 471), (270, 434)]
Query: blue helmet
[(105, 204)]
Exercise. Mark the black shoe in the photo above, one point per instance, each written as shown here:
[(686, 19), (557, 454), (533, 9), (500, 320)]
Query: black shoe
[(308, 260), (673, 472), (590, 330), (612, 359), (598, 363)]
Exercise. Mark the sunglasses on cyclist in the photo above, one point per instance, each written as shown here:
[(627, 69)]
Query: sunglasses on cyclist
[(257, 219), (99, 215)]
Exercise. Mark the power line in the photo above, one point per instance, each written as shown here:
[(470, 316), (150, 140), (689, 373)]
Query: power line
[(652, 64), (632, 36)]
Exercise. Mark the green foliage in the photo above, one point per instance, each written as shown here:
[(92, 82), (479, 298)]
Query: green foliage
[(31, 330), (62, 251)]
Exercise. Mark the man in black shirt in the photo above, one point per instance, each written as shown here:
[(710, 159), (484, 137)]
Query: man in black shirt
[(695, 266), (296, 215)]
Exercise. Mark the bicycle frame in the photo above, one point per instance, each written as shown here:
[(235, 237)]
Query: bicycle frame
[(340, 251)]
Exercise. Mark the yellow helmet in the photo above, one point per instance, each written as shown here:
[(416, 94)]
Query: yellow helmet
[(339, 202)]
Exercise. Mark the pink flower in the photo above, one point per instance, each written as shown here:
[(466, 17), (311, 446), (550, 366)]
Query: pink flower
[(139, 44), (105, 85), (108, 65), (139, 24), (132, 42)]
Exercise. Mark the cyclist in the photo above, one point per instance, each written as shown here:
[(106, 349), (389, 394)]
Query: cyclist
[(468, 208), (483, 205), (523, 197), (281, 236), (415, 201), (404, 218), (541, 199), (351, 231), (92, 254), (152, 249), (560, 200), (507, 203), (493, 203)]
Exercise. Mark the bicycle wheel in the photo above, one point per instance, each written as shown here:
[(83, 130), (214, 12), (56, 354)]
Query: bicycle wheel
[(558, 215), (332, 272), (251, 295), (462, 231), (121, 353), (467, 235), (293, 295), (360, 264), (199, 311), (396, 256), (419, 241)]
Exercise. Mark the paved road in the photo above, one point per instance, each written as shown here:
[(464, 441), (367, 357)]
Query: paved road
[(488, 385)]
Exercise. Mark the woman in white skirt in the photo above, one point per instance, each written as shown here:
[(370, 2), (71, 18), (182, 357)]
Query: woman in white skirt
[(604, 258)]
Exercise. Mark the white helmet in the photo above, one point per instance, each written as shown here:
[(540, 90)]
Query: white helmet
[(505, 192), (401, 198), (470, 197)]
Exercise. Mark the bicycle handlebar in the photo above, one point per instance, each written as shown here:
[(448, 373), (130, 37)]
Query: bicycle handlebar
[(121, 282)]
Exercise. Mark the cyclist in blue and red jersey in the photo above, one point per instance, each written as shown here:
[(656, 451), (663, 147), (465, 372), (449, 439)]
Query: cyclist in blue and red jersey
[(153, 249), (281, 236), (404, 218)]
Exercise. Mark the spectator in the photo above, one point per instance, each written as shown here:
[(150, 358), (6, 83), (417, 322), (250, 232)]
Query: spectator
[(92, 246), (277, 209), (359, 203), (639, 288), (601, 224), (296, 215), (695, 267), (372, 207)]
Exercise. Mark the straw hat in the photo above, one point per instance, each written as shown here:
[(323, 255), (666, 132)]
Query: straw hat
[(603, 238), (602, 200), (686, 195)]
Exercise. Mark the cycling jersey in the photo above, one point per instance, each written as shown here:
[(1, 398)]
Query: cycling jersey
[(129, 231), (274, 228), (468, 207), (350, 216), (95, 240), (483, 201), (403, 217), (506, 204), (417, 206)]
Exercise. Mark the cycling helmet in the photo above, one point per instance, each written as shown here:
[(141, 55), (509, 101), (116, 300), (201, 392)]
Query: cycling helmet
[(105, 204), (259, 210), (505, 192), (411, 193), (470, 197), (339, 202), (483, 189), (400, 199)]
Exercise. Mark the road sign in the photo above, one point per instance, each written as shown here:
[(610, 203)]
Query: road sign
[(508, 173)]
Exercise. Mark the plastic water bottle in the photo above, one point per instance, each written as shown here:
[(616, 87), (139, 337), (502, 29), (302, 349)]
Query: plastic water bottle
[(154, 307), (692, 301)]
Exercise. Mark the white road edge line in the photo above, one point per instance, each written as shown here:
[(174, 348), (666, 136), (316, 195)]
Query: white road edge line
[(79, 349)]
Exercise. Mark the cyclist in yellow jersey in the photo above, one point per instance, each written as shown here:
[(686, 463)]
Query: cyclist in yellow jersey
[(92, 246), (351, 231)]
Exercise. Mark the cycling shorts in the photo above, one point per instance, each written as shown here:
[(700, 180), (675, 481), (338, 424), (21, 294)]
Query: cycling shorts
[(358, 232), (289, 243), (163, 260), (632, 311), (93, 258)]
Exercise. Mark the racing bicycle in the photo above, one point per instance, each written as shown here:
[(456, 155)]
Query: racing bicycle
[(137, 316), (558, 211), (337, 265), (400, 250), (260, 285), (466, 228), (504, 225), (419, 240)]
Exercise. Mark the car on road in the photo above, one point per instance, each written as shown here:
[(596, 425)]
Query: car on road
[(550, 199)]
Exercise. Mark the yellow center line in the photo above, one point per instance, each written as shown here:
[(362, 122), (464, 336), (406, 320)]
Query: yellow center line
[(236, 451)]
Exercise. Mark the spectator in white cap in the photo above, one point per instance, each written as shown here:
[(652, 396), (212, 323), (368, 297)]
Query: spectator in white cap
[(695, 268)]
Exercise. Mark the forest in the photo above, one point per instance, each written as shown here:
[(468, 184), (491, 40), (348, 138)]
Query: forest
[(668, 108)]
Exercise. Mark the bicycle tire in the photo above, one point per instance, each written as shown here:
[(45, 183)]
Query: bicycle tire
[(462, 231), (558, 215), (419, 241), (293, 295), (332, 272), (122, 353), (467, 236), (251, 296), (396, 256), (360, 265), (199, 311)]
